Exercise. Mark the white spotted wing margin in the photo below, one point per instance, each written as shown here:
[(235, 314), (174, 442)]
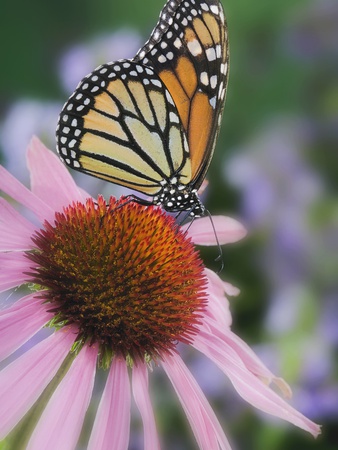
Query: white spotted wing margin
[(189, 50), (121, 125)]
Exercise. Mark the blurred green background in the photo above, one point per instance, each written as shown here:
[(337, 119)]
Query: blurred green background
[(275, 169)]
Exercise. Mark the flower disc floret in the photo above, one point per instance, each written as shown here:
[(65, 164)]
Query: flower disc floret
[(123, 273)]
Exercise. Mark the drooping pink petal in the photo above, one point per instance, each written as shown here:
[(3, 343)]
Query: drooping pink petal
[(219, 287), (230, 289), (206, 428), (12, 268), (22, 381), (15, 230), (112, 422), (12, 187), (228, 230), (142, 400), (251, 388), (50, 179), (215, 284), (247, 356), (20, 322), (255, 365), (60, 424), (218, 305)]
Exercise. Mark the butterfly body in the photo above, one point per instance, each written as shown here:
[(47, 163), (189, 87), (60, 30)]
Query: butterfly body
[(151, 123)]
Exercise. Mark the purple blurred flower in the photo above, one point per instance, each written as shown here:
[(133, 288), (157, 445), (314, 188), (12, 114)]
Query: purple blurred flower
[(25, 118), (313, 32), (283, 199), (82, 59), (272, 175)]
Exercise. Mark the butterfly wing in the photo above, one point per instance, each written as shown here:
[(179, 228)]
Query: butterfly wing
[(189, 51), (121, 125)]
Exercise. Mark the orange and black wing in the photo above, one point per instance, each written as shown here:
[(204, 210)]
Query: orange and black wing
[(189, 51), (121, 125)]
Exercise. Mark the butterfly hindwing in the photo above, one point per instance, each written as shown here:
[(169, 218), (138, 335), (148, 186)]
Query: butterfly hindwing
[(121, 125), (189, 50)]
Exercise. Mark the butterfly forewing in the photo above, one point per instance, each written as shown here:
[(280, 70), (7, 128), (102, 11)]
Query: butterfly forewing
[(188, 49), (121, 125), (151, 123)]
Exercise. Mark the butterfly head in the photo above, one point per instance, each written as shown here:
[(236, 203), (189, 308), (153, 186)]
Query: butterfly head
[(177, 197)]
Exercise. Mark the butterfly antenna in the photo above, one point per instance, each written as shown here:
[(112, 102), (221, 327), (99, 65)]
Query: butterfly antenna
[(220, 251)]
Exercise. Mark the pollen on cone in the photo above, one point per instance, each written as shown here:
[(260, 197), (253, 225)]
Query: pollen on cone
[(125, 274)]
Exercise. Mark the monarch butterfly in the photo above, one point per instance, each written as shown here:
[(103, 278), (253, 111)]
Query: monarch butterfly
[(150, 123)]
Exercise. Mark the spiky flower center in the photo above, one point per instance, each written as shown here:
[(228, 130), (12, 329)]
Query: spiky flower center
[(124, 274)]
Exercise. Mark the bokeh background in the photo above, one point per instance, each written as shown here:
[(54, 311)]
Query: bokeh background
[(275, 169)]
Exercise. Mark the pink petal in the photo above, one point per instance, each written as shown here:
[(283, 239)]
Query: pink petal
[(228, 230), (20, 322), (12, 187), (60, 424), (112, 422), (142, 400), (15, 230), (246, 355), (230, 289), (22, 381), (219, 286), (50, 179), (206, 428), (252, 389), (12, 268), (254, 364), (251, 360), (218, 304)]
